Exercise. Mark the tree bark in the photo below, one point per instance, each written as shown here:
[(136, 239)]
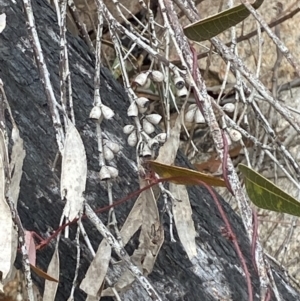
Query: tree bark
[(216, 271)]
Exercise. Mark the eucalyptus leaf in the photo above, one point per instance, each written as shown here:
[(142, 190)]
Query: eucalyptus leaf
[(266, 195), (210, 27)]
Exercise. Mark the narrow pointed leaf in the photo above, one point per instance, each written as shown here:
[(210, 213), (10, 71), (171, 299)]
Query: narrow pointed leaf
[(210, 27), (266, 195), (73, 172), (185, 176)]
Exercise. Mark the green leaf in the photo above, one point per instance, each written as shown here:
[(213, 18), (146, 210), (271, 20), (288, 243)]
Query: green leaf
[(264, 194), (210, 27)]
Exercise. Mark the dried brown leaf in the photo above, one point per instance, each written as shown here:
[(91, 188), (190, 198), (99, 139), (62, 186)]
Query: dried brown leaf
[(94, 277), (182, 212), (53, 271), (73, 173)]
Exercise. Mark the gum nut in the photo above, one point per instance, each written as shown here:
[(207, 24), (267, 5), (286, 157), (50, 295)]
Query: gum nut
[(234, 135), (113, 172), (154, 118), (96, 113), (107, 112), (161, 138), (148, 127), (179, 82), (141, 79), (104, 173), (132, 139), (190, 116), (229, 107), (199, 117), (128, 129), (132, 110), (157, 76), (142, 102), (107, 153), (182, 92), (115, 147), (146, 151)]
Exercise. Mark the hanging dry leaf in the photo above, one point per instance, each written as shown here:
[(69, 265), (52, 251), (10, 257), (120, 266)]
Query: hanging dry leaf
[(2, 22), (94, 277), (53, 271), (16, 164), (8, 235), (168, 152), (182, 212), (30, 245), (73, 173), (143, 215)]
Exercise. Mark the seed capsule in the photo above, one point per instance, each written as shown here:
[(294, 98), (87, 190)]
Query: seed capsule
[(128, 129), (107, 153), (141, 79), (115, 147), (148, 127), (113, 172), (142, 102), (161, 138), (132, 110), (107, 112), (179, 82), (104, 173), (229, 107), (190, 115), (132, 139), (96, 113), (234, 135), (199, 117), (157, 76), (154, 118), (182, 93)]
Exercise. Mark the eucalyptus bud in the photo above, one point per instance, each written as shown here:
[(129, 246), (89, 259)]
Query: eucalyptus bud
[(104, 173), (141, 79), (128, 129), (161, 138), (153, 118), (199, 117), (148, 127), (234, 135), (113, 172), (229, 107), (157, 76), (143, 102), (107, 112), (132, 110), (107, 153), (182, 93), (114, 147), (179, 82), (132, 139), (96, 113)]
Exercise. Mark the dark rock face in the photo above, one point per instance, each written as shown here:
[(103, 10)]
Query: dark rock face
[(216, 268)]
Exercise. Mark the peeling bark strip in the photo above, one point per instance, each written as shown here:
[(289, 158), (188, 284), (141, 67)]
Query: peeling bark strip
[(213, 274)]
